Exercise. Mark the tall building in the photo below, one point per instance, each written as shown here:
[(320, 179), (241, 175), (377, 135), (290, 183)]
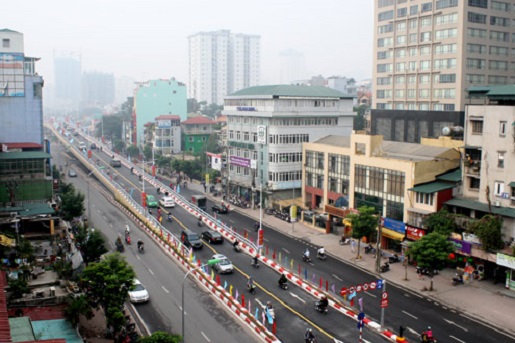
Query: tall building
[(266, 127), (98, 89), (427, 52), (154, 98), (221, 63), (67, 81), (293, 66)]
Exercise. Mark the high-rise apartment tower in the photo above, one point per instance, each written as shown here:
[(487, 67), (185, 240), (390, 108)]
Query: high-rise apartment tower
[(427, 52), (221, 63)]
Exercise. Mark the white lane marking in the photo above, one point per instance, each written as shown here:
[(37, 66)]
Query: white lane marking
[(110, 225), (164, 289), (409, 295), (453, 323), (203, 334), (296, 296), (311, 263), (286, 251), (150, 271), (409, 314), (105, 218), (412, 331), (259, 302), (138, 257), (266, 240), (337, 277), (372, 295), (459, 340)]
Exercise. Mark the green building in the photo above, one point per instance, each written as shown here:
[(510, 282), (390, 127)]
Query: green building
[(154, 98), (195, 133)]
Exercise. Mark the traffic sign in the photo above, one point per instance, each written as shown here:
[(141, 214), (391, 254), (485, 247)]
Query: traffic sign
[(361, 316), (384, 302), (343, 291), (352, 290), (359, 288), (365, 286), (384, 295), (373, 285), (380, 284)]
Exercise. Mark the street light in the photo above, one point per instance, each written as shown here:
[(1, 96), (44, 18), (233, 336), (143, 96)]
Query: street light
[(209, 263), (89, 207)]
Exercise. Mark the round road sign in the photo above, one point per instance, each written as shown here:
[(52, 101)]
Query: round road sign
[(365, 287), (343, 291), (384, 295), (359, 288), (352, 290), (373, 285)]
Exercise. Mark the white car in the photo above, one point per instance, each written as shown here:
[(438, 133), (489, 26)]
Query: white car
[(139, 294), (224, 266), (167, 202)]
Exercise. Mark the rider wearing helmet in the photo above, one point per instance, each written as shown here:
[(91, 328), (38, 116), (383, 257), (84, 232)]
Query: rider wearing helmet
[(309, 336)]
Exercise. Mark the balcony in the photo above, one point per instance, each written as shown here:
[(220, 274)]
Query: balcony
[(472, 167)]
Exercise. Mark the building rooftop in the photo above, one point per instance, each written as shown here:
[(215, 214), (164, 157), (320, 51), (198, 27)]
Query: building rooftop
[(8, 30), (23, 145), (391, 149), (493, 92), (291, 91), (24, 155), (199, 120)]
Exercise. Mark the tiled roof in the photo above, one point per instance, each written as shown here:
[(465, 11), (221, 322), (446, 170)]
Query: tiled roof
[(432, 187), (291, 91), (454, 176), (5, 330), (25, 155), (199, 120), (167, 116), (479, 206), (8, 30), (22, 145)]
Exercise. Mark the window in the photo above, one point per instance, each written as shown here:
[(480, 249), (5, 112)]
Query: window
[(425, 65), (383, 68), (425, 37), (500, 159), (426, 7), (400, 52), (447, 33), (6, 43), (412, 66), (413, 51), (475, 78), (478, 3), (400, 80), (498, 188), (399, 93), (385, 3), (498, 65), (423, 79), (423, 93), (384, 80), (446, 93), (412, 79), (425, 22), (412, 93), (446, 18), (385, 28), (425, 50), (413, 38), (502, 128), (477, 18), (386, 15), (499, 21), (474, 63), (381, 55), (413, 24), (402, 12), (499, 50), (401, 39), (413, 10), (500, 6), (477, 33), (500, 36), (446, 63), (477, 126), (445, 49), (425, 198), (400, 66), (446, 3), (401, 26)]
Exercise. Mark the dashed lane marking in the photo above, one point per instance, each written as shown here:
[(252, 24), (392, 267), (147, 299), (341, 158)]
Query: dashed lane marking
[(164, 289), (203, 334), (337, 277), (409, 314), (150, 271)]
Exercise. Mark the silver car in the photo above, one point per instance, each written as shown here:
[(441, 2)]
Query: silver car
[(224, 266)]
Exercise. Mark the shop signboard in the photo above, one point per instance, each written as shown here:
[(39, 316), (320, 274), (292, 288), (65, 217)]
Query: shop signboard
[(506, 260), (394, 225), (239, 161), (462, 246), (414, 233)]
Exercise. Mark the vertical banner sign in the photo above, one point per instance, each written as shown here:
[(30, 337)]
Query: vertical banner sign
[(143, 199), (207, 179), (153, 171), (260, 237), (261, 134)]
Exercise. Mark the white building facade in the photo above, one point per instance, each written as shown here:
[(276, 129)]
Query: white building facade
[(266, 126), (221, 63)]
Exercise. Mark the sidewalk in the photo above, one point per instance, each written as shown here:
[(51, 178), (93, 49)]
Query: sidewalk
[(489, 303)]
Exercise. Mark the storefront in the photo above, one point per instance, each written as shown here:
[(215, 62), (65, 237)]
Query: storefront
[(393, 233), (508, 262)]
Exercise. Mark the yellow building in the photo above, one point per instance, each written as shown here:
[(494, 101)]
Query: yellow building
[(398, 179)]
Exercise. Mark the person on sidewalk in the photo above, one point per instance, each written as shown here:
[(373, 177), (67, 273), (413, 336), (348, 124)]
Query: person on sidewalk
[(353, 246)]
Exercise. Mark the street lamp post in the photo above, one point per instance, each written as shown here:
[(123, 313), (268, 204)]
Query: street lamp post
[(209, 263), (89, 207)]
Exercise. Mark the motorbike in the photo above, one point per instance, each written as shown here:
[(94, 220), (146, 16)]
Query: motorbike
[(457, 280), (394, 259), (251, 288), (283, 285), (426, 271), (306, 258), (270, 211), (141, 248), (119, 246), (199, 223), (236, 247), (128, 239), (170, 218), (344, 241), (385, 267), (321, 256), (321, 309), (425, 339), (369, 249), (185, 185), (254, 263), (270, 309)]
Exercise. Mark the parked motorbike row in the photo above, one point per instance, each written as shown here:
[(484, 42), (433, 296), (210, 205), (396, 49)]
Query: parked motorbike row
[(236, 201)]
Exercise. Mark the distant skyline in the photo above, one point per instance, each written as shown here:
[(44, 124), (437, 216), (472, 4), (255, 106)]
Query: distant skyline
[(148, 39)]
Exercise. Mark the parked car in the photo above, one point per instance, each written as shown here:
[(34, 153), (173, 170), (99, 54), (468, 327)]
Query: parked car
[(220, 209), (167, 202), (93, 146), (139, 294), (151, 201), (72, 173), (191, 240), (224, 266), (212, 236), (115, 162)]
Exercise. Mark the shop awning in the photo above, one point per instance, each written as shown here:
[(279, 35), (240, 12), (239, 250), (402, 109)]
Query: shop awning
[(392, 234), (512, 184), (479, 206), (418, 210), (432, 187)]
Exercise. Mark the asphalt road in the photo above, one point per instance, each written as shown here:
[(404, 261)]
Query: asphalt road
[(294, 307)]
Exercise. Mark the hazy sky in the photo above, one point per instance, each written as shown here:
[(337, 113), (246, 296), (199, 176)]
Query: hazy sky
[(147, 39)]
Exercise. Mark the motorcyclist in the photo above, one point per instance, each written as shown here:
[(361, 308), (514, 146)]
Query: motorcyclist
[(236, 243), (256, 226), (309, 336), (127, 230), (323, 303), (118, 241), (140, 244), (255, 260), (283, 280), (250, 283), (427, 336), (199, 222), (169, 217), (306, 254), (321, 252)]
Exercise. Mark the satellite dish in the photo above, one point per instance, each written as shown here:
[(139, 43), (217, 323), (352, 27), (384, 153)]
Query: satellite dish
[(446, 131)]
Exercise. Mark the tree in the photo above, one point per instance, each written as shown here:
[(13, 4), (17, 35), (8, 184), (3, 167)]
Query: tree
[(359, 120), (147, 152), (441, 222), (431, 252), (133, 151), (72, 204), (363, 224), (17, 288), (161, 337), (78, 305), (92, 244), (192, 105), (489, 231), (108, 282)]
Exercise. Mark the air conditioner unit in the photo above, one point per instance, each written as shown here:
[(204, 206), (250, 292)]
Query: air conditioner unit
[(52, 291), (497, 203)]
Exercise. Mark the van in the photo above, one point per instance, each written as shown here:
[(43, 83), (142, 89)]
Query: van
[(82, 146), (191, 240), (115, 162)]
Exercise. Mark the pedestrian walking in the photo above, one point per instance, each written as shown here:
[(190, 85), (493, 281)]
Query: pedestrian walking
[(353, 245)]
